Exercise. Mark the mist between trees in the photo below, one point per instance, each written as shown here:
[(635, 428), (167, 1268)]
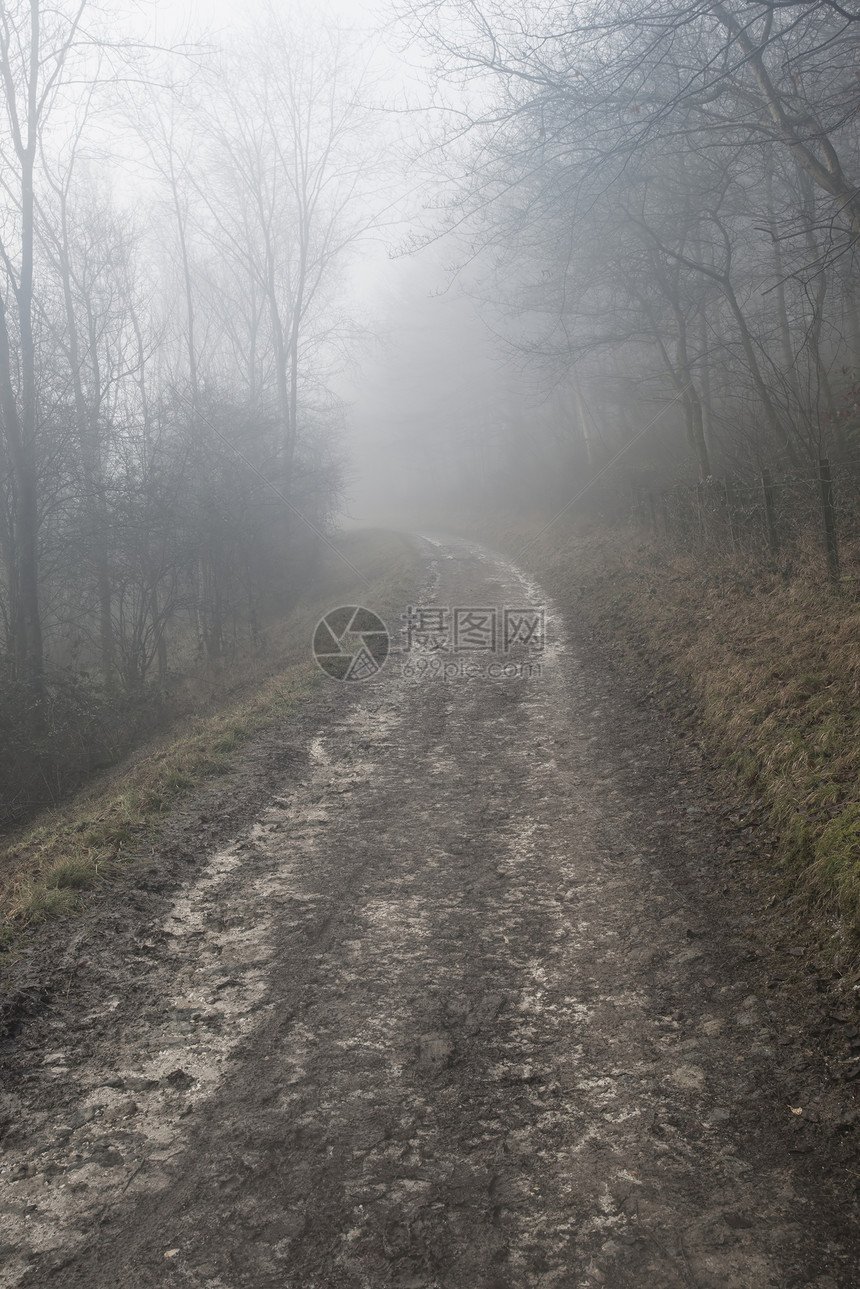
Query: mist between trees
[(657, 206), (664, 199), (172, 225)]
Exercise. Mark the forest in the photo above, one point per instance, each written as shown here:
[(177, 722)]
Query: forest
[(663, 201), (173, 222), (654, 205)]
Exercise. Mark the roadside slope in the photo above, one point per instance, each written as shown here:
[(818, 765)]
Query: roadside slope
[(48, 868)]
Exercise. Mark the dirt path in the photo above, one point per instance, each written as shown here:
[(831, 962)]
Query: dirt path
[(445, 994)]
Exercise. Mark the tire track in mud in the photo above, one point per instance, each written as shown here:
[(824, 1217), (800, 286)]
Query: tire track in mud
[(455, 1012)]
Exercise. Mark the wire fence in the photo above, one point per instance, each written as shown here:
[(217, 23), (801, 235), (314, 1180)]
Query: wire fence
[(764, 518)]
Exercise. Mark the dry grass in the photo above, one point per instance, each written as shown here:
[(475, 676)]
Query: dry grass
[(45, 870), (769, 668)]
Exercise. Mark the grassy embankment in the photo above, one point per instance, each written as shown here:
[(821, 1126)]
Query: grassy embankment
[(771, 670), (46, 868)]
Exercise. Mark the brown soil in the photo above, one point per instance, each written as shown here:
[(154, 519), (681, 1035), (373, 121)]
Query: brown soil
[(452, 985)]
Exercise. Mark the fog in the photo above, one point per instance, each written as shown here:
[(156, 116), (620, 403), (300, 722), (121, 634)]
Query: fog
[(428, 395), (272, 272)]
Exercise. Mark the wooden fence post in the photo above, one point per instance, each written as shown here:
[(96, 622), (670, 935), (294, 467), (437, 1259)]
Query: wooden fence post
[(730, 508), (687, 518), (769, 512), (700, 509), (652, 505), (828, 516)]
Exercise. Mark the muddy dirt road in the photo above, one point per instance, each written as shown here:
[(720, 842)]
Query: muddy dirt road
[(440, 989)]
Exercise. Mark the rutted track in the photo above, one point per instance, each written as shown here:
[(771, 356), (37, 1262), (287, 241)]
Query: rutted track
[(457, 1011)]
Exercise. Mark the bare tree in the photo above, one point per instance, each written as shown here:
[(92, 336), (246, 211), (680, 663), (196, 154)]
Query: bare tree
[(668, 181), (37, 44)]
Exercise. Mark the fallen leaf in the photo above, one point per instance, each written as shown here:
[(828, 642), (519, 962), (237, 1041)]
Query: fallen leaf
[(796, 1109)]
